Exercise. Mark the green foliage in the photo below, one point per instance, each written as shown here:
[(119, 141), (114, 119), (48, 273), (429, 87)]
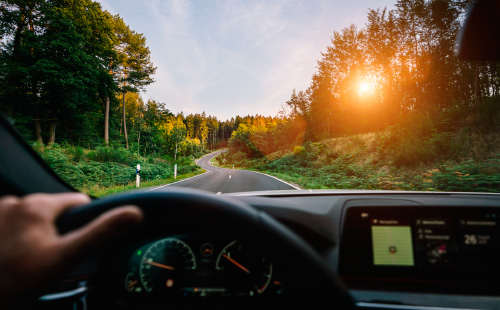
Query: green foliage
[(299, 150), (58, 73), (110, 154), (106, 167), (238, 157), (468, 176)]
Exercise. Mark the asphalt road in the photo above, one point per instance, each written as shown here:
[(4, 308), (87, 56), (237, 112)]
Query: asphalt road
[(221, 180)]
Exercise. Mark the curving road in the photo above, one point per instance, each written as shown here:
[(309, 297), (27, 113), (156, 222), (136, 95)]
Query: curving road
[(221, 180)]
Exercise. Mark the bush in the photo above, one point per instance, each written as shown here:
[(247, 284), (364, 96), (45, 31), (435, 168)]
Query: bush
[(110, 154), (468, 176), (237, 157), (299, 150), (106, 167)]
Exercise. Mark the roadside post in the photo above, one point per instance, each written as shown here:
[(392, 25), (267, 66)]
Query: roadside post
[(175, 171), (138, 176)]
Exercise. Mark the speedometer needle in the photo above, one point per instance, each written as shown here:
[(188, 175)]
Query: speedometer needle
[(236, 263), (161, 265)]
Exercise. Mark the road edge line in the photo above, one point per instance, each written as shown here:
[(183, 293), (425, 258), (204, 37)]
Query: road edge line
[(196, 162), (294, 186), (271, 176), (158, 187)]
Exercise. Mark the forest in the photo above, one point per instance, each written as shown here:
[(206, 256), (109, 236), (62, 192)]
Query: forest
[(389, 107)]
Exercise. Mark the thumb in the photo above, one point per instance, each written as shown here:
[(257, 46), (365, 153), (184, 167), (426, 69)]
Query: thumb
[(100, 231)]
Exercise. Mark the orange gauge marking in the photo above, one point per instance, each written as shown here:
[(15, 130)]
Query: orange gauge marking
[(161, 265), (132, 283), (236, 263)]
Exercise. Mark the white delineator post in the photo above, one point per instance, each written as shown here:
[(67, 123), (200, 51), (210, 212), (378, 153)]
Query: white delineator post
[(175, 171), (138, 176)]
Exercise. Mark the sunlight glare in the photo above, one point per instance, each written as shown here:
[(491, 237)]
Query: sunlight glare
[(365, 88)]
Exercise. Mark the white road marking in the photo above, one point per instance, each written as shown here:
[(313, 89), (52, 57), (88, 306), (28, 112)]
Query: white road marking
[(152, 189), (196, 161), (218, 193), (229, 176), (297, 188)]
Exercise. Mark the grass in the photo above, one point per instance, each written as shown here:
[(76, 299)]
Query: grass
[(98, 191)]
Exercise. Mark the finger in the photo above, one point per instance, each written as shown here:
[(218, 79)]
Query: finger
[(7, 201), (55, 204), (98, 232)]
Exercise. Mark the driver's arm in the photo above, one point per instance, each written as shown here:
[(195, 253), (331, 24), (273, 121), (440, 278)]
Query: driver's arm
[(32, 252)]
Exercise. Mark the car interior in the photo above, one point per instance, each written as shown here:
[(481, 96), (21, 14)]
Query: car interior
[(335, 249)]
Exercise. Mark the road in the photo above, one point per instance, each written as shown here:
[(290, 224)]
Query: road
[(220, 180)]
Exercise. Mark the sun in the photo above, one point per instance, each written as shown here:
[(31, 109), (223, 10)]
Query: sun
[(365, 87)]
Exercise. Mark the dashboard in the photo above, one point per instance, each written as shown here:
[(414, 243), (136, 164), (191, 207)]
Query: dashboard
[(391, 250), (395, 250)]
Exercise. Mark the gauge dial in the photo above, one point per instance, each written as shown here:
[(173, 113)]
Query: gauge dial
[(207, 250), (164, 263), (246, 270), (132, 282)]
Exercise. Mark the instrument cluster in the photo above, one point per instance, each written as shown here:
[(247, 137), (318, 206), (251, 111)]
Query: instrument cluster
[(187, 265)]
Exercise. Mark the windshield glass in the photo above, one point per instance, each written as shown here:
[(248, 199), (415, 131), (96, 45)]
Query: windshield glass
[(234, 96)]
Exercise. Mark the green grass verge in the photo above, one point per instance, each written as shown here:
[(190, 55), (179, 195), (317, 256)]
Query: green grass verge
[(98, 191)]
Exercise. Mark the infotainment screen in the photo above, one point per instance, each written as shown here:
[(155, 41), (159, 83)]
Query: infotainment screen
[(446, 243), (391, 243)]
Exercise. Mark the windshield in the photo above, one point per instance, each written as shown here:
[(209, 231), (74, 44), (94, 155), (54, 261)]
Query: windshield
[(234, 96)]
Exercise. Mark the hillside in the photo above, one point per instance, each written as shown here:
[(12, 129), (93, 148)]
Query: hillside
[(413, 157)]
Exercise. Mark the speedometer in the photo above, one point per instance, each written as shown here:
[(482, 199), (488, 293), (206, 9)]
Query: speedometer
[(164, 263), (245, 269)]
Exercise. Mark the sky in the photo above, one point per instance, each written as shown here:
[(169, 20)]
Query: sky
[(236, 57)]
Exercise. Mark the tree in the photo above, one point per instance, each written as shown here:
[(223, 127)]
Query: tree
[(134, 68), (54, 63), (174, 134)]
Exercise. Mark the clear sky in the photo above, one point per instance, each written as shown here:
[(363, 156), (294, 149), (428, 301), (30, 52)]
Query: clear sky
[(236, 57)]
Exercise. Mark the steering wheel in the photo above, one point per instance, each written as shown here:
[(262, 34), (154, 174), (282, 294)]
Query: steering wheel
[(309, 281)]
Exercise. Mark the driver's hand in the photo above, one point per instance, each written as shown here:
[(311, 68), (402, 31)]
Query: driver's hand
[(32, 252)]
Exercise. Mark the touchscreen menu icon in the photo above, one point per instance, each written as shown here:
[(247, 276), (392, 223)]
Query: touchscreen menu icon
[(392, 243)]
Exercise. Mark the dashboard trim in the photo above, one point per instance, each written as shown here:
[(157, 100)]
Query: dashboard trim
[(62, 295), (372, 305)]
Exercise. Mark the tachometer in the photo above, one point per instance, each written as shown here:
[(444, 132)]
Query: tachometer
[(245, 269), (164, 263)]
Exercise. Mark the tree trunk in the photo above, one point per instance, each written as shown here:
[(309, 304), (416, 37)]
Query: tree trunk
[(106, 122), (38, 132), (139, 143), (477, 91), (52, 130), (125, 123)]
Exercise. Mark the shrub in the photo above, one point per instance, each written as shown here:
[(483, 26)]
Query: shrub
[(467, 176), (299, 150), (237, 157)]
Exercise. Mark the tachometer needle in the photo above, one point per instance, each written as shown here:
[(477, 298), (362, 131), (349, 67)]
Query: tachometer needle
[(236, 263), (161, 265), (132, 283)]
